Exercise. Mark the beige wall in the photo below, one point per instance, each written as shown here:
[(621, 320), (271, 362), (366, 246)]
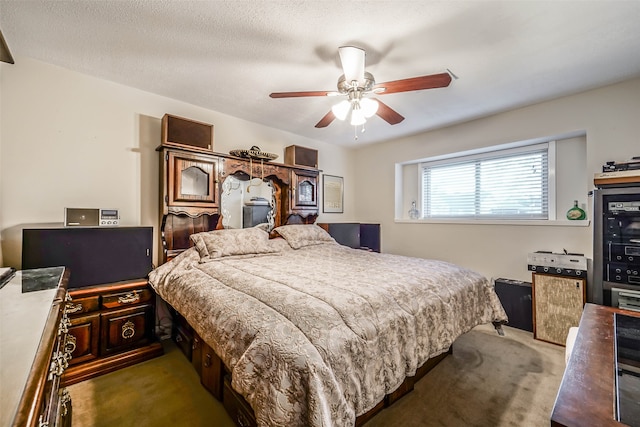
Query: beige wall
[(610, 118), (70, 140), (2, 66)]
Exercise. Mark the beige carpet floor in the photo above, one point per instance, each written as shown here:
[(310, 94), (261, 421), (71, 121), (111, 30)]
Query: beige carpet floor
[(488, 381)]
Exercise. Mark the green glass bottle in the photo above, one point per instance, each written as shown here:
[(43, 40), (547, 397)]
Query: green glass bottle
[(576, 212)]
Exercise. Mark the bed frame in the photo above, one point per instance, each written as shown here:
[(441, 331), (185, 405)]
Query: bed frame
[(180, 220), (216, 378)]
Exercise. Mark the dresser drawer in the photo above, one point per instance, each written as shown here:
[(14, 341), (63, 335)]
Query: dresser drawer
[(124, 299), (82, 305)]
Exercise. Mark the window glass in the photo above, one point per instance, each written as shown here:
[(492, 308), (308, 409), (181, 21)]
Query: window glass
[(507, 184)]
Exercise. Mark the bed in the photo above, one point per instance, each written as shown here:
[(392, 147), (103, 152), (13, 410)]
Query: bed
[(314, 333)]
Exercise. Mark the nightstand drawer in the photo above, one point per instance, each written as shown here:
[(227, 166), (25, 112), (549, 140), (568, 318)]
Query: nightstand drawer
[(124, 299), (82, 305)]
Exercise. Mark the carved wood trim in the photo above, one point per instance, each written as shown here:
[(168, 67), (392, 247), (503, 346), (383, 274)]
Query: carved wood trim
[(179, 222)]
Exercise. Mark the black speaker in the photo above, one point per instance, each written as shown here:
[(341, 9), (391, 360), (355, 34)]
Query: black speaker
[(94, 255), (356, 235), (515, 296), (370, 236), (347, 234)]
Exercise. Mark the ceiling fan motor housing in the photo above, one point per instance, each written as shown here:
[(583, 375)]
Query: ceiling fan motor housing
[(344, 86)]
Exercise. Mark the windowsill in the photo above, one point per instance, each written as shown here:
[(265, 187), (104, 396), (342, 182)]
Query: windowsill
[(544, 223)]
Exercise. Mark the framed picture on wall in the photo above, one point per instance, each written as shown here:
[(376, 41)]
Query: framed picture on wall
[(332, 194)]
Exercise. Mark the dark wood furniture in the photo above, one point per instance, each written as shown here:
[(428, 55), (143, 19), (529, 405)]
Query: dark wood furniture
[(354, 234), (111, 306), (190, 191), (37, 324), (587, 393), (113, 325)]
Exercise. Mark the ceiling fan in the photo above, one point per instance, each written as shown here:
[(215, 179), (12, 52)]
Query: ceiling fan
[(357, 85)]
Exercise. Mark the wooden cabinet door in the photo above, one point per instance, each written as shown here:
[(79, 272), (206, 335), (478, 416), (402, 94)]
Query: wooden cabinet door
[(557, 306), (192, 180), (304, 190), (86, 334), (126, 328)]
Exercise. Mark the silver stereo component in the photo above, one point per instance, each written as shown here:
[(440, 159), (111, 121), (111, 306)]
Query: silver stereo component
[(561, 264), (89, 217), (625, 298)]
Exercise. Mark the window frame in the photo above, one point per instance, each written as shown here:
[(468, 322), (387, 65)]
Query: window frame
[(507, 150)]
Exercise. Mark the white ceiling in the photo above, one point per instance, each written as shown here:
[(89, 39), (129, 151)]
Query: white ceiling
[(229, 55)]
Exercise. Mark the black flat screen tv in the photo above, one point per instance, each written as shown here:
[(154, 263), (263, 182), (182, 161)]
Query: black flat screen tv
[(93, 255)]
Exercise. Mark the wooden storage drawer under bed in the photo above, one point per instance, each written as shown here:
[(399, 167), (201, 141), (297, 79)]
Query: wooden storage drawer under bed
[(237, 408)]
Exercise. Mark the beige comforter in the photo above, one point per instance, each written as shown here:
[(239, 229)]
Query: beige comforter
[(319, 335)]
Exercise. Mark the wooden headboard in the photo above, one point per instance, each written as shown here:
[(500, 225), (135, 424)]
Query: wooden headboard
[(190, 189)]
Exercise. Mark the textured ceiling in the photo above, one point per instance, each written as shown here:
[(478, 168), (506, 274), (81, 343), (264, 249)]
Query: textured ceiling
[(228, 56)]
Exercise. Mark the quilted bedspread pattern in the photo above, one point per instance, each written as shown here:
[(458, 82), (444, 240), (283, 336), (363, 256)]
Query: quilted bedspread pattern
[(319, 335)]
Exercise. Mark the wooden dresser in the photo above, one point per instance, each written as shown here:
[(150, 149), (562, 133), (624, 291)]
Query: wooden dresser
[(35, 350), (587, 395)]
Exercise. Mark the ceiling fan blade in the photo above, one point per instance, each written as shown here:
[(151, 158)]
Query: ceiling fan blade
[(352, 59), (300, 94), (416, 83), (388, 114), (326, 120)]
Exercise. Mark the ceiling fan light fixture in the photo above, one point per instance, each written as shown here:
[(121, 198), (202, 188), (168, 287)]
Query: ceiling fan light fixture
[(369, 106), (341, 109), (356, 84), (352, 59), (357, 117)]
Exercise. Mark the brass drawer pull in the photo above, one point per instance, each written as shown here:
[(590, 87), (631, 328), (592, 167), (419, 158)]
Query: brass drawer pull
[(63, 327), (59, 362), (70, 345), (129, 298), (73, 308), (65, 399), (128, 330)]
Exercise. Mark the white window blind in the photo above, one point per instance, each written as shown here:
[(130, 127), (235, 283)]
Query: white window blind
[(508, 184)]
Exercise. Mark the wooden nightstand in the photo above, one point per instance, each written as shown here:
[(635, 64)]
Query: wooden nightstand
[(114, 327)]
